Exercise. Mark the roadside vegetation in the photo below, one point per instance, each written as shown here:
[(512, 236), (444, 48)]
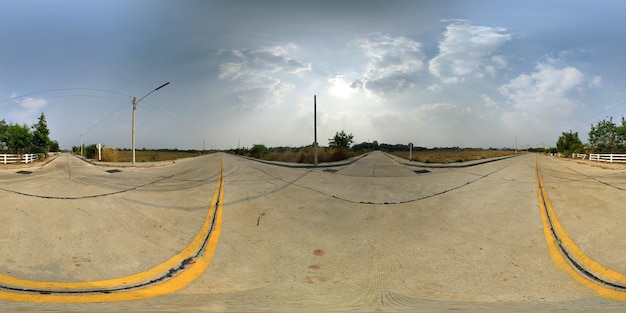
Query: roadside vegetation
[(453, 155), (342, 147), (338, 149), (20, 139), (604, 137), (142, 155)]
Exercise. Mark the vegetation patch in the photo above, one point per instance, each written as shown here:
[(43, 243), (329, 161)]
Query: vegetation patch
[(452, 155), (142, 155)]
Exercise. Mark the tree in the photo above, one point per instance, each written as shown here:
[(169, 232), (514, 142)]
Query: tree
[(258, 151), (3, 134), (607, 137), (54, 146), (341, 140), (17, 138), (569, 143), (41, 140)]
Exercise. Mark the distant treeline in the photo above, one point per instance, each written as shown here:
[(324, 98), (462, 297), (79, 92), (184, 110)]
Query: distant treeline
[(360, 147)]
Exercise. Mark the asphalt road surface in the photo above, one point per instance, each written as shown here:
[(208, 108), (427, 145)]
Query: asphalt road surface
[(377, 234)]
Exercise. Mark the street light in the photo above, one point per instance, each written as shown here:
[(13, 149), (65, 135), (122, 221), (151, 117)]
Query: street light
[(135, 102)]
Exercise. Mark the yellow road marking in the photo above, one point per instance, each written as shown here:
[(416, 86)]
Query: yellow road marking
[(184, 277), (551, 223)]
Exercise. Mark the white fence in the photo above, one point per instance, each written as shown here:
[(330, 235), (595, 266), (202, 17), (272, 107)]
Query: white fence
[(607, 157), (17, 158)]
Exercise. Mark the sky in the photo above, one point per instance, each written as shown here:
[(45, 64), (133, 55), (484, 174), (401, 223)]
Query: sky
[(433, 73)]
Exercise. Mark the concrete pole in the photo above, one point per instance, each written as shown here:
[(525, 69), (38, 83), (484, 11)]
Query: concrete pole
[(315, 130), (134, 109), (135, 101)]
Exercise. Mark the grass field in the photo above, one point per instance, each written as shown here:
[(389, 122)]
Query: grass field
[(452, 156), (110, 155)]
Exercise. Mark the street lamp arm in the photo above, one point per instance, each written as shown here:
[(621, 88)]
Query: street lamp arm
[(155, 89)]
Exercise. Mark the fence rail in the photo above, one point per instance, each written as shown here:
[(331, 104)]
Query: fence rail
[(608, 157), (18, 158)]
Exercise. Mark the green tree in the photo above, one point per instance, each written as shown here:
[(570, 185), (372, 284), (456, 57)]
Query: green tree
[(3, 134), (54, 146), (41, 140), (569, 143), (258, 151), (341, 140), (607, 137), (17, 138)]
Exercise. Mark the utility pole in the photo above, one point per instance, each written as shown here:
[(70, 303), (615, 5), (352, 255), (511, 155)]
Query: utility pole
[(81, 144), (315, 130), (135, 109)]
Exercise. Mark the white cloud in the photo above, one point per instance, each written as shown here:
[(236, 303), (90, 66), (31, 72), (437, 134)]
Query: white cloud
[(489, 102), (434, 107), (392, 63), (260, 76), (28, 109), (434, 88), (230, 70), (338, 87), (468, 49), (547, 89), (595, 82)]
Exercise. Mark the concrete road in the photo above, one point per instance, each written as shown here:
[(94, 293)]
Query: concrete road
[(373, 235)]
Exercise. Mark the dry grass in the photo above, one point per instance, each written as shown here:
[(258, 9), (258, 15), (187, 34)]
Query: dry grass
[(110, 155), (452, 156), (305, 155), (146, 155)]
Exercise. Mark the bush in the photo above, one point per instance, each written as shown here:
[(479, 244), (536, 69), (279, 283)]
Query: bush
[(258, 151)]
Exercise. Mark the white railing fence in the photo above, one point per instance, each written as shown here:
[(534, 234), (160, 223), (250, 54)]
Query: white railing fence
[(607, 157), (17, 158)]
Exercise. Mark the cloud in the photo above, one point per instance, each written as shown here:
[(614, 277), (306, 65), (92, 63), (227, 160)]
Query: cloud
[(468, 49), (595, 82), (548, 89), (259, 77), (393, 61), (28, 109), (489, 102), (338, 87)]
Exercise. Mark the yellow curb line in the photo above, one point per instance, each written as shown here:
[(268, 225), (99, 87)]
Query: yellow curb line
[(191, 272), (551, 223)]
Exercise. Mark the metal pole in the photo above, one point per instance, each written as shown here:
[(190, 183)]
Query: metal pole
[(315, 130), (134, 109)]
